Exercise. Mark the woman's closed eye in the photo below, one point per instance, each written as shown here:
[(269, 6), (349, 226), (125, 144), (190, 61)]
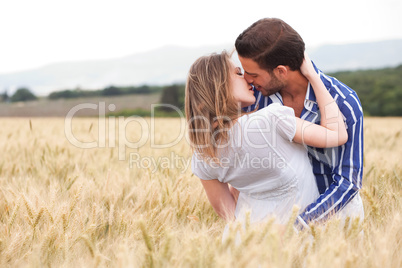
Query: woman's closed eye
[(238, 71)]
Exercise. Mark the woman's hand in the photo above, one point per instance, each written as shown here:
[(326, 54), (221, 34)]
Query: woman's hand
[(307, 68), (332, 131)]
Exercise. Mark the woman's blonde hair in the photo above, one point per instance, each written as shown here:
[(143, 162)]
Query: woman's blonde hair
[(209, 103)]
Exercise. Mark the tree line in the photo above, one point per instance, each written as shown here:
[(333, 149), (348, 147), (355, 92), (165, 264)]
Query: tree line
[(24, 94), (380, 91), (108, 91)]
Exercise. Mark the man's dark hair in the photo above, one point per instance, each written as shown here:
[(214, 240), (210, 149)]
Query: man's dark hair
[(271, 42)]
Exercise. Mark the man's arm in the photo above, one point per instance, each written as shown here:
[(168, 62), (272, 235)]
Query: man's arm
[(346, 174)]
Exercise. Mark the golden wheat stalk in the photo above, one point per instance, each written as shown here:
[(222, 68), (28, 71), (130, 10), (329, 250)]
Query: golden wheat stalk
[(14, 214), (89, 245), (31, 211), (14, 247), (38, 217)]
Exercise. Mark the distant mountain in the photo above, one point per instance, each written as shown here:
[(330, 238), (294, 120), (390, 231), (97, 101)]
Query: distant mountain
[(347, 57), (170, 64), (165, 65)]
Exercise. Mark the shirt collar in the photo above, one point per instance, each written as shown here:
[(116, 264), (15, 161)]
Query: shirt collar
[(276, 98), (310, 101)]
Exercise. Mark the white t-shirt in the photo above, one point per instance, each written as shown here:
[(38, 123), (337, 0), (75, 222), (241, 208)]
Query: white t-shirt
[(260, 160)]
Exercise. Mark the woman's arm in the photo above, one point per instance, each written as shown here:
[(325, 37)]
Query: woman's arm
[(221, 198), (235, 193), (332, 131)]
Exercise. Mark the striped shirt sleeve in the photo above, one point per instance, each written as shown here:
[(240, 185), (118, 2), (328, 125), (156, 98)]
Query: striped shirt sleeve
[(346, 173)]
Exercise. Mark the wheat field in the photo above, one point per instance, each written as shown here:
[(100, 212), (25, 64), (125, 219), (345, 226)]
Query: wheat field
[(62, 205)]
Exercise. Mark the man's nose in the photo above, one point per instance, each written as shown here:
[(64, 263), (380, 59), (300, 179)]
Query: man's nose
[(248, 78)]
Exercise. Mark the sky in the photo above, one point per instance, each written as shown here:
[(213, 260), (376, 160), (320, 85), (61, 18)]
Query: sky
[(37, 33)]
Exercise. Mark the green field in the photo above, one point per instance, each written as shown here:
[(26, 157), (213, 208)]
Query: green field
[(65, 206)]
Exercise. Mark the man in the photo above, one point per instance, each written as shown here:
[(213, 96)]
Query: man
[(271, 53)]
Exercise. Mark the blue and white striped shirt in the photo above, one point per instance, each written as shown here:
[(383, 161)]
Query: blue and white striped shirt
[(338, 170)]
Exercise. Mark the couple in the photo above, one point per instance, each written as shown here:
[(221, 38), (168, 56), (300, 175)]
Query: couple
[(281, 134)]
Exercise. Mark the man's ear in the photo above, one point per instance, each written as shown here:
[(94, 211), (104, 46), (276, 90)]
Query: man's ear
[(281, 71)]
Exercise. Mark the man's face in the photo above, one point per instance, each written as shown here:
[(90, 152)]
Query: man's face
[(267, 83)]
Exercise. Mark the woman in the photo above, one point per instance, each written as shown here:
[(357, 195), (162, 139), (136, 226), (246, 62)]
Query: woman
[(259, 154)]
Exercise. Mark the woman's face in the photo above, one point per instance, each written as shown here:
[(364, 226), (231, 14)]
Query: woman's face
[(241, 90)]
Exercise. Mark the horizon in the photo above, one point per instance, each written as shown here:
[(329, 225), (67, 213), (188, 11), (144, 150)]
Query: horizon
[(166, 66)]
